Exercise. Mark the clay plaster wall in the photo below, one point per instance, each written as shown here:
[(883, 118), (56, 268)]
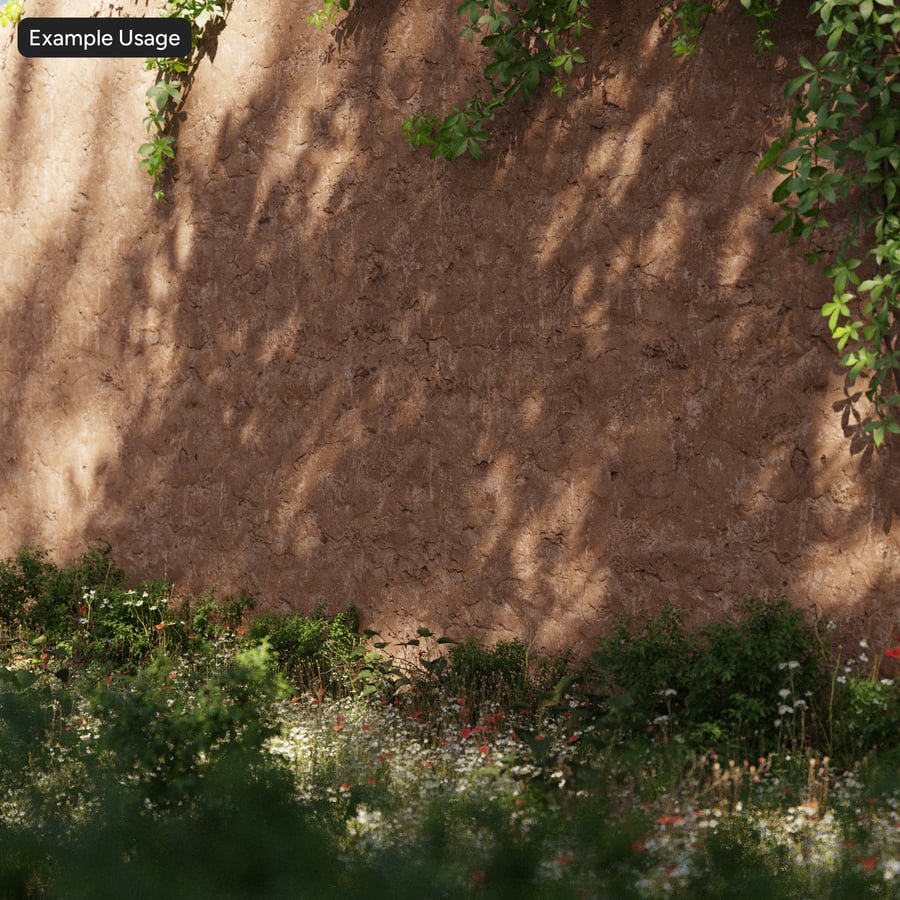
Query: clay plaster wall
[(577, 378)]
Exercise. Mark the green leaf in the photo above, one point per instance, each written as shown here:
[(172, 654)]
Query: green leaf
[(795, 84), (782, 190), (793, 154), (785, 223), (835, 37)]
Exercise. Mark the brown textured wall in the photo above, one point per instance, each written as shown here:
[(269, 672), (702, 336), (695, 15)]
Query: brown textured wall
[(525, 394)]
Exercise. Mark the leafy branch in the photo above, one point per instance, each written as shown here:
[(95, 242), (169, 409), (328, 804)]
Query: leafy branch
[(528, 42), (840, 152), (689, 18), (172, 79), (329, 12)]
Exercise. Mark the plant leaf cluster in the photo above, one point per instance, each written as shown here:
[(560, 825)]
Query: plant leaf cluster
[(172, 78), (11, 12), (718, 684), (528, 42), (840, 159), (688, 18)]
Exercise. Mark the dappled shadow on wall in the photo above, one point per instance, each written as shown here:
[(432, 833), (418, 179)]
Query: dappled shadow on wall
[(524, 394)]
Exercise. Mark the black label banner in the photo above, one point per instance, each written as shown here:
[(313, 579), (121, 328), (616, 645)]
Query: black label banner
[(87, 38)]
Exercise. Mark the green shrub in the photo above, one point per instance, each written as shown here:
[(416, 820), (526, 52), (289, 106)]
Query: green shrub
[(641, 670), (726, 682), (41, 598), (83, 612), (164, 724), (309, 648), (488, 674), (868, 715)]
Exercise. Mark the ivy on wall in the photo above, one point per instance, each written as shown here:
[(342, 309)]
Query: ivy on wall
[(528, 41), (840, 160), (173, 76), (688, 18), (839, 156)]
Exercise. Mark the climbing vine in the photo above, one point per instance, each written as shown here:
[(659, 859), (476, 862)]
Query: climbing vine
[(329, 12), (173, 75), (528, 40), (688, 18), (840, 160), (839, 156)]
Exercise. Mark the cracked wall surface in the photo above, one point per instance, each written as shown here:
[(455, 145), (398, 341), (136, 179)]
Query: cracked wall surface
[(575, 379)]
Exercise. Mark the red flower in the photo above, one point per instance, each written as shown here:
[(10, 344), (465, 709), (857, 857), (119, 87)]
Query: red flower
[(160, 626), (638, 845), (670, 820), (893, 653), (869, 862), (479, 877)]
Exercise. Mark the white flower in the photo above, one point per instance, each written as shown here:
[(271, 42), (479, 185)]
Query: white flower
[(784, 693), (864, 645)]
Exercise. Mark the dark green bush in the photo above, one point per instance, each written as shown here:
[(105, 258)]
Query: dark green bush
[(480, 673), (310, 648), (721, 683), (40, 597)]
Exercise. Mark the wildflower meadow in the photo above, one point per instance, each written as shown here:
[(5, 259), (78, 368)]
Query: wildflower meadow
[(153, 745)]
